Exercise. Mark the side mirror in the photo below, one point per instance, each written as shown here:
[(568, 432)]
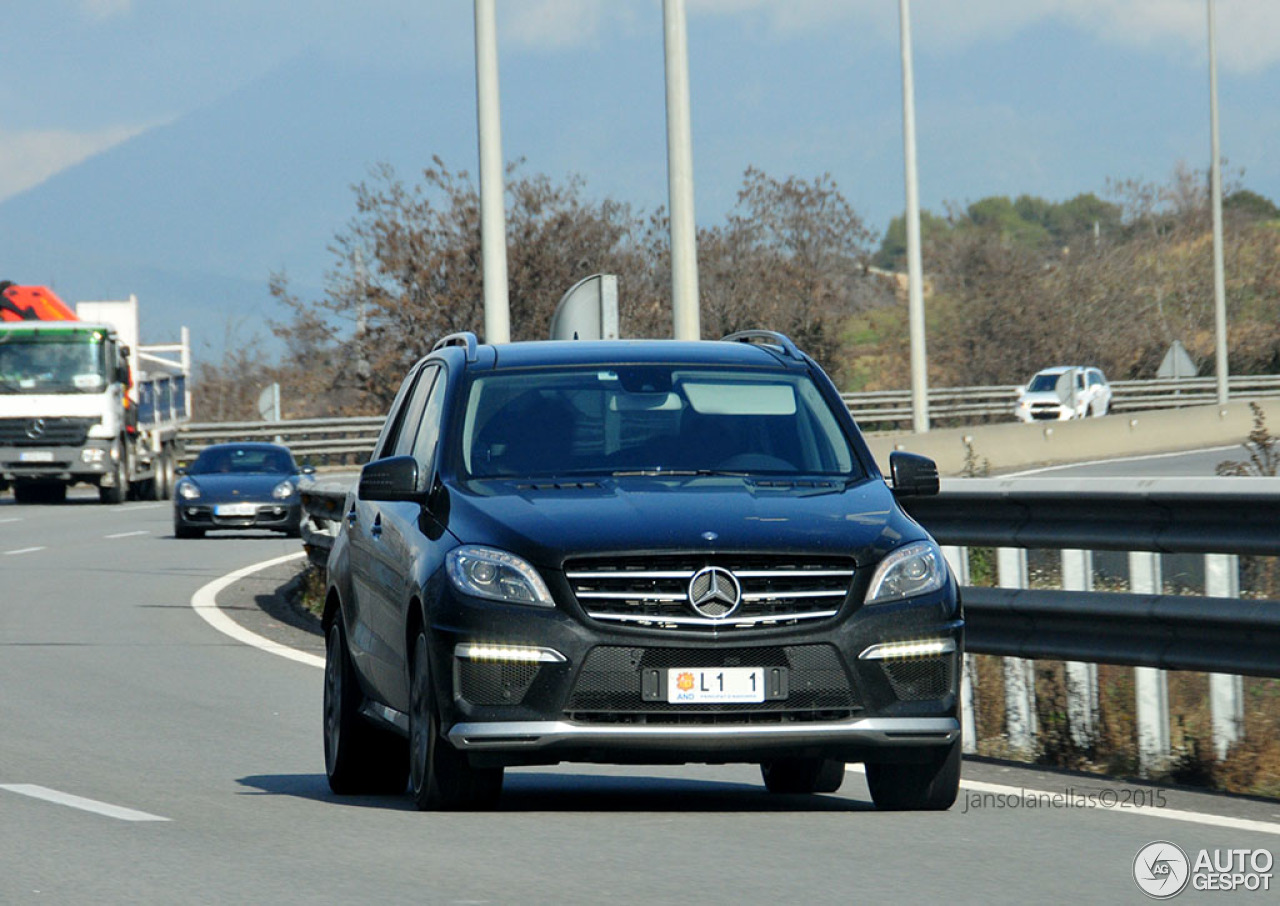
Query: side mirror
[(393, 479), (913, 476), (181, 470), (308, 469)]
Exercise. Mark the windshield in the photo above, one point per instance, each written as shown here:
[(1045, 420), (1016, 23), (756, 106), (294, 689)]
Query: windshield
[(648, 419), (1044, 383), (52, 362), (243, 460)]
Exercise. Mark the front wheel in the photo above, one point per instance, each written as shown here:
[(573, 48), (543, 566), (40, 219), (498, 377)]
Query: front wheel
[(926, 786), (358, 757), (802, 775), (441, 777), (120, 473)]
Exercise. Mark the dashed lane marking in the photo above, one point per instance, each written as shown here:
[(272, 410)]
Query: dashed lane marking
[(79, 802)]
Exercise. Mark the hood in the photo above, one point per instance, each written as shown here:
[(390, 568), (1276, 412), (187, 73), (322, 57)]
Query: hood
[(1043, 396), (639, 515), (241, 486)]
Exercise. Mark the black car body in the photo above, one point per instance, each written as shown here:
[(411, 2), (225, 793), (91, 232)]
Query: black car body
[(238, 486), (636, 552)]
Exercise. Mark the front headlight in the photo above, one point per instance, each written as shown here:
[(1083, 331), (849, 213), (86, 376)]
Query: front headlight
[(488, 573), (284, 490), (915, 569), (188, 490)]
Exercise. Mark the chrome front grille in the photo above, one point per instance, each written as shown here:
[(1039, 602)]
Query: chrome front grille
[(654, 592)]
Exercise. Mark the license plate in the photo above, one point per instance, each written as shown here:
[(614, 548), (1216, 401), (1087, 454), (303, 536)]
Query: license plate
[(715, 685), (235, 509), (36, 456)]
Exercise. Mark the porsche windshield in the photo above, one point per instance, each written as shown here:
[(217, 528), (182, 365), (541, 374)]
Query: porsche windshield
[(52, 361), (644, 419)]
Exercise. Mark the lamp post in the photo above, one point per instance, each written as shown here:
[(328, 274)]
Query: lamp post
[(915, 291)]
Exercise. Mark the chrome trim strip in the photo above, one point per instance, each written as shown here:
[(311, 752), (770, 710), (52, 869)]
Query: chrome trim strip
[(632, 595), (687, 574), (876, 731), (783, 595), (633, 574), (699, 621), (793, 573)]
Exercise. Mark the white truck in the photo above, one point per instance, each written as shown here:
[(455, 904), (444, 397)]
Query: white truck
[(82, 402)]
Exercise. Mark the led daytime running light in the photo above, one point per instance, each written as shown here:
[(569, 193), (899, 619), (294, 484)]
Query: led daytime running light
[(901, 651), (508, 654)]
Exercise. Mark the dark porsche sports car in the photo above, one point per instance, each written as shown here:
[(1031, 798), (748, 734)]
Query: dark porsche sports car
[(239, 486)]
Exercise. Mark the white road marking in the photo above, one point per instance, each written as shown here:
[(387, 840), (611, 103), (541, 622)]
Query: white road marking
[(79, 802), (1103, 462), (205, 603), (1145, 811), (22, 550), (10, 519), (128, 534)]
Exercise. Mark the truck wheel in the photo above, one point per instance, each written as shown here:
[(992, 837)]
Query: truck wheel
[(160, 485), (120, 470), (927, 786)]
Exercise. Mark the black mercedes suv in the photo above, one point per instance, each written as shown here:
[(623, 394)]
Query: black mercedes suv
[(636, 552)]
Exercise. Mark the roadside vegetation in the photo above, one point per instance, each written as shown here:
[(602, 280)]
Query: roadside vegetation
[(1011, 284)]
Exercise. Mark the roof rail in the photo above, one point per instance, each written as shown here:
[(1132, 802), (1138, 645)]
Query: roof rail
[(771, 337), (462, 338)]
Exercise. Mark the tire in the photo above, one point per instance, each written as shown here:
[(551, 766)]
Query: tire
[(441, 777), (359, 758), (928, 786), (182, 531), (120, 471), (802, 775)]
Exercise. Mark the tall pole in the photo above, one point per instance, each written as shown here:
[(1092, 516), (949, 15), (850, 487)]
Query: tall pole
[(1215, 179), (684, 233), (915, 290), (493, 225)]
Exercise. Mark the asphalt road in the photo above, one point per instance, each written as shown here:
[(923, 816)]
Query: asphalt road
[(114, 689)]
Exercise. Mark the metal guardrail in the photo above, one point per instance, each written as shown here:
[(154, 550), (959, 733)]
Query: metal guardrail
[(963, 404), (1176, 632)]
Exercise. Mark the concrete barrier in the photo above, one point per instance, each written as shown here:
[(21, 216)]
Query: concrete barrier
[(1015, 445)]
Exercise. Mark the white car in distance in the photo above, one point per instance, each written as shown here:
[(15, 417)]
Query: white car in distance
[(1064, 392)]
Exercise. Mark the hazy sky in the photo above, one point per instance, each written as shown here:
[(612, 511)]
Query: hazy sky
[(1047, 97)]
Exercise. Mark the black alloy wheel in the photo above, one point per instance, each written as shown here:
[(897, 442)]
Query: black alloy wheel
[(802, 775), (927, 786), (440, 777), (359, 758)]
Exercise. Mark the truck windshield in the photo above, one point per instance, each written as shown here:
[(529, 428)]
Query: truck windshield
[(52, 361), (644, 419)]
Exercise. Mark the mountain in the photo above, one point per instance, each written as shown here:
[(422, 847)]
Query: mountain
[(194, 216)]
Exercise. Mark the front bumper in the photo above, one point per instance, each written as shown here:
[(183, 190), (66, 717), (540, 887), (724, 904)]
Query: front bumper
[(868, 733), (276, 516), (595, 694), (87, 462)]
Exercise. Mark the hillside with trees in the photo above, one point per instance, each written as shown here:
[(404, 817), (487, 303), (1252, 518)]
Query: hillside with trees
[(1011, 285)]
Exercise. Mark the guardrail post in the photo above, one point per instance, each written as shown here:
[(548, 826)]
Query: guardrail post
[(1019, 674), (1226, 692), (1082, 678), (958, 559), (1151, 686)]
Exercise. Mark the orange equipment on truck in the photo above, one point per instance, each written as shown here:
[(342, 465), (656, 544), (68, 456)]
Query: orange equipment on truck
[(32, 303)]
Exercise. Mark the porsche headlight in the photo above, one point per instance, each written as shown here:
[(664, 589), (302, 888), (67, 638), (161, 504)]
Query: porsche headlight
[(489, 573), (188, 490), (284, 490), (915, 569)]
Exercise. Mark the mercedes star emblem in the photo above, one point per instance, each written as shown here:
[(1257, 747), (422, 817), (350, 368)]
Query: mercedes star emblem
[(714, 592)]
